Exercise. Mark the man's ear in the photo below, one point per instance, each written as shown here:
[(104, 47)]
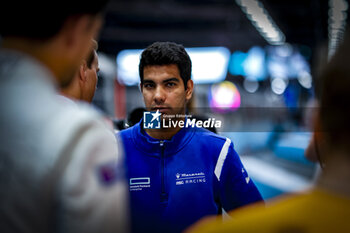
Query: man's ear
[(82, 71), (189, 89)]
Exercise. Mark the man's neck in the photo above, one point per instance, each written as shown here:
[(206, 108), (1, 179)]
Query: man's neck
[(69, 96), (73, 90)]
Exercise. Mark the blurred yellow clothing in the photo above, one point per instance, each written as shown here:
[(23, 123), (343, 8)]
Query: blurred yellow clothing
[(314, 212)]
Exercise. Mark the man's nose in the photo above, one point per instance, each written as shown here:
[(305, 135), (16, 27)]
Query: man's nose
[(159, 95)]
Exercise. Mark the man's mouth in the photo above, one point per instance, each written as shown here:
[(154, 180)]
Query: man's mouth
[(161, 109)]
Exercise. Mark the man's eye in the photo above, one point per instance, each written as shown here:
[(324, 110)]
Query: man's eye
[(171, 84), (148, 85)]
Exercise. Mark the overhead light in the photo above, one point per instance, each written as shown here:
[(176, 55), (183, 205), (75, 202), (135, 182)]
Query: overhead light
[(305, 79), (224, 96), (128, 66), (336, 24), (279, 85), (250, 85), (236, 63), (250, 64), (277, 67), (286, 62), (254, 64), (262, 21), (209, 65)]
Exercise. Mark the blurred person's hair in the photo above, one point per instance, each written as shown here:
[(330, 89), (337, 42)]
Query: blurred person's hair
[(167, 53), (92, 54), (334, 117), (41, 20)]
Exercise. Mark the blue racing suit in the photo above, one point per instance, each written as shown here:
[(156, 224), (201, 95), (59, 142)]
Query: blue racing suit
[(173, 183)]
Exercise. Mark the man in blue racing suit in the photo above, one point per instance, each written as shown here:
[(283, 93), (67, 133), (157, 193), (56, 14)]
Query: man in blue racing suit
[(178, 172)]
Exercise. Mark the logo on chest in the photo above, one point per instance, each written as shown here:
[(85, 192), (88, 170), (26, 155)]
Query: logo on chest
[(190, 178), (140, 183)]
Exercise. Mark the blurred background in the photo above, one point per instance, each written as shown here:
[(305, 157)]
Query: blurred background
[(255, 66)]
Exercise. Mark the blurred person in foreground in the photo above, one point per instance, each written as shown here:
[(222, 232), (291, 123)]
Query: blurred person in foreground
[(326, 207), (178, 174), (59, 166), (83, 85)]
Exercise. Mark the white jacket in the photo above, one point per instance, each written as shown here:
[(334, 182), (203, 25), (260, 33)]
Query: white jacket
[(60, 169)]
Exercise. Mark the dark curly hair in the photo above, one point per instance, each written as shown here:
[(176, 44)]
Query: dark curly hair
[(167, 53)]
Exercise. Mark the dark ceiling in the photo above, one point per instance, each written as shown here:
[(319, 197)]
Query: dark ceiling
[(193, 23)]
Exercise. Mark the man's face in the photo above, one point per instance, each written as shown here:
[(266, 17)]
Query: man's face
[(163, 89), (91, 79), (79, 45)]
